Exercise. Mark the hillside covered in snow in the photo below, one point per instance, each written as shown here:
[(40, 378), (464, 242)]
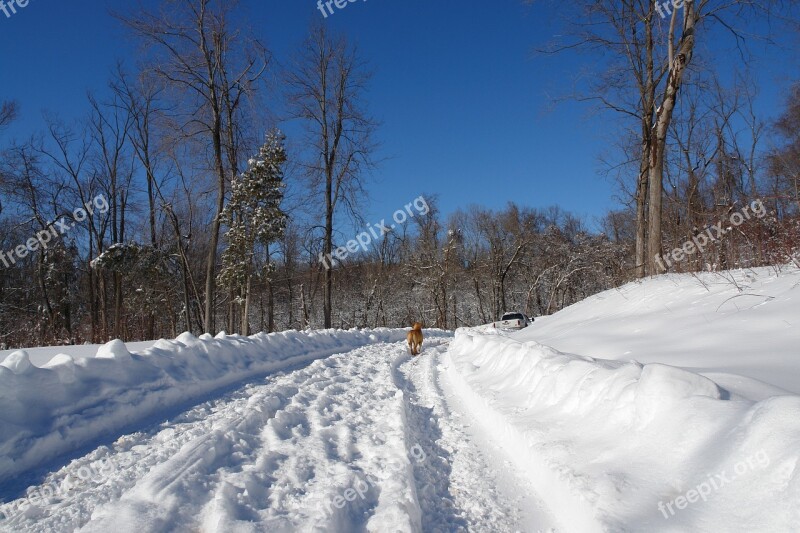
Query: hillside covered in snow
[(744, 322)]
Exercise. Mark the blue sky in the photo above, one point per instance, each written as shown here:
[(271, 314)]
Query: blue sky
[(465, 105)]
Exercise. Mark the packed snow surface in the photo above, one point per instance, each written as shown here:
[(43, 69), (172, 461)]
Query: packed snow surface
[(360, 440), (661, 406), (90, 398)]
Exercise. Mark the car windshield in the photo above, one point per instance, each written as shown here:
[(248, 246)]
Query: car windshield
[(513, 316)]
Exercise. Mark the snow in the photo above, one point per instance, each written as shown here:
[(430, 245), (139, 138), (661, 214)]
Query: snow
[(622, 446), (18, 362), (349, 442), (667, 405), (745, 323), (88, 398), (41, 356), (116, 349)]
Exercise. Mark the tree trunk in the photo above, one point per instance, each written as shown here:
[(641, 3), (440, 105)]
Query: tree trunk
[(306, 321), (270, 307), (246, 310), (328, 249), (211, 261), (648, 98), (678, 64), (641, 221)]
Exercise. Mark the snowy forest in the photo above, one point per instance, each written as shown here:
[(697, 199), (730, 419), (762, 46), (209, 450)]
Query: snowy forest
[(204, 183)]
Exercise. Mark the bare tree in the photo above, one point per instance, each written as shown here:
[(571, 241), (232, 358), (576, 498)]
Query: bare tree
[(507, 235), (109, 125), (652, 45), (8, 112), (215, 67), (327, 83), (140, 100), (784, 162), (69, 151)]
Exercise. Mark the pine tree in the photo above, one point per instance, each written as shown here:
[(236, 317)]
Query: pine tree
[(254, 219)]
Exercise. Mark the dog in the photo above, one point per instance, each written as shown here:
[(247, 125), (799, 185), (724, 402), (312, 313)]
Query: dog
[(415, 338)]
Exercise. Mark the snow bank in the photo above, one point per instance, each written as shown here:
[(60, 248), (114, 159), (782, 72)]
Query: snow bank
[(744, 322), (43, 355), (620, 446), (50, 411)]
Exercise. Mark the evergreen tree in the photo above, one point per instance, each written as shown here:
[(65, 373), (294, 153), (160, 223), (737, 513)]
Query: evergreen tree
[(254, 219)]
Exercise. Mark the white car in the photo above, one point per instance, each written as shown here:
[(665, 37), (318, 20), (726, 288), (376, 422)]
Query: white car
[(513, 321)]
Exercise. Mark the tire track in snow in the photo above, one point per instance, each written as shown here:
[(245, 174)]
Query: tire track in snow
[(432, 477), (273, 455), (456, 486), (148, 467), (516, 468)]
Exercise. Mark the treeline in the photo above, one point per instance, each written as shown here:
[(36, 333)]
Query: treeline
[(175, 204), (462, 270)]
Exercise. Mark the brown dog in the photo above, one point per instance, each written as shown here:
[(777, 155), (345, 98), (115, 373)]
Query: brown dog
[(415, 338)]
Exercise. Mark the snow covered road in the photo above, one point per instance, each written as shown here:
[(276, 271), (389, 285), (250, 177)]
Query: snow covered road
[(342, 431), (366, 440)]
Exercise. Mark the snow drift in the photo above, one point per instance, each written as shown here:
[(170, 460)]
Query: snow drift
[(621, 446), (40, 356), (743, 322), (50, 411)]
